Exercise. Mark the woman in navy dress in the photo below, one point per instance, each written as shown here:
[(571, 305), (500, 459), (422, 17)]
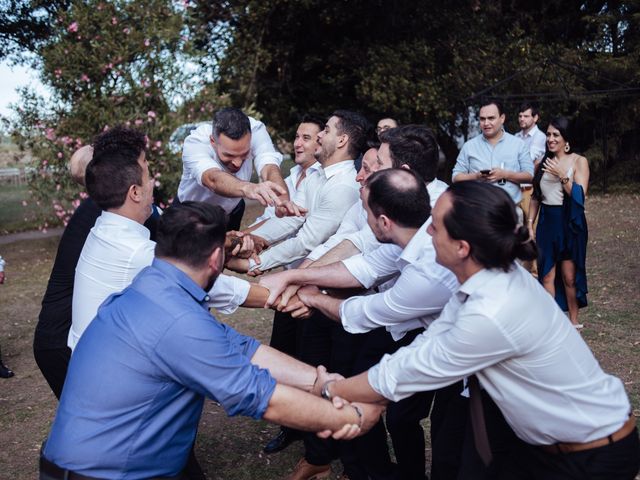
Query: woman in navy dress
[(560, 187)]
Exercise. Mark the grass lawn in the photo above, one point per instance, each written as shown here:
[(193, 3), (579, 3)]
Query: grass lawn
[(14, 216), (231, 448)]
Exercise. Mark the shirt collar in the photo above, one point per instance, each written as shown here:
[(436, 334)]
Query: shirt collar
[(479, 280), (182, 279), (337, 168), (116, 218), (504, 134), (413, 251), (530, 133)]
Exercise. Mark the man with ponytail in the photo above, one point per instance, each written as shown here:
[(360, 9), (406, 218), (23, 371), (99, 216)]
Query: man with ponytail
[(551, 411)]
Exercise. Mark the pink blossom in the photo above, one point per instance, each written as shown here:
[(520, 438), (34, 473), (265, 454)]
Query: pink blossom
[(157, 183), (114, 21), (76, 203), (126, 31), (83, 195), (84, 77), (158, 144), (58, 187), (24, 203), (50, 134), (79, 142), (73, 27), (60, 155), (145, 83), (138, 122), (147, 42), (151, 114), (57, 72)]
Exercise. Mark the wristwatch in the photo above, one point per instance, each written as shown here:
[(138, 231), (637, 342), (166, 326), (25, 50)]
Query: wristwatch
[(564, 180)]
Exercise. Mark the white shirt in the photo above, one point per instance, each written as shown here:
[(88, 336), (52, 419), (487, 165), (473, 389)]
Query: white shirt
[(329, 195), (355, 228), (199, 156), (505, 328), (116, 250), (413, 301), (535, 140), (296, 194)]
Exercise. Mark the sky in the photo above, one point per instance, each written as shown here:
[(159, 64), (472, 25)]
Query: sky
[(12, 77)]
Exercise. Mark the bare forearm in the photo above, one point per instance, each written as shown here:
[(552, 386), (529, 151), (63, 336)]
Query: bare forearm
[(285, 369), (328, 305), (462, 177), (334, 275), (356, 389), (344, 249), (223, 183), (518, 177), (303, 411), (257, 297)]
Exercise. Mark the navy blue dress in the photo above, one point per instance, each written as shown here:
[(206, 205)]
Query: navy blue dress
[(562, 235)]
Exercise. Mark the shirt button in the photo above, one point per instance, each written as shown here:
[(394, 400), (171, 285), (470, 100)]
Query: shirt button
[(207, 298)]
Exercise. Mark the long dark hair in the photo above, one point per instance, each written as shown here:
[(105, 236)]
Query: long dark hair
[(563, 125), (485, 217)]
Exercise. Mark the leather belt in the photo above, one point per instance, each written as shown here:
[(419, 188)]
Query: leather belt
[(56, 472), (560, 448)]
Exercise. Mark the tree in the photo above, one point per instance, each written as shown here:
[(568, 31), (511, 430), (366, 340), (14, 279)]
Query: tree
[(106, 63)]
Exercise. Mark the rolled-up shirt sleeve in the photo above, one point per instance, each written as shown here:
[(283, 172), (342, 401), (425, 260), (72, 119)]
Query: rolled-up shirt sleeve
[(374, 267), (348, 225), (262, 149), (440, 357), (364, 240), (318, 227), (215, 361), (462, 162), (414, 296), (228, 293), (198, 155)]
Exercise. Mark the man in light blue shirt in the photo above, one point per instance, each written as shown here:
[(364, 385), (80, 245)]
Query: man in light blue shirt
[(138, 377), (495, 156)]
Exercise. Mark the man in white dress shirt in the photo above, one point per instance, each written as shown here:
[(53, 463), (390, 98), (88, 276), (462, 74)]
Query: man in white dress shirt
[(218, 161), (398, 207), (329, 195), (569, 419), (536, 142)]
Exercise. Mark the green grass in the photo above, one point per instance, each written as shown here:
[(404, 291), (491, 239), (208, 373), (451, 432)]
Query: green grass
[(14, 216)]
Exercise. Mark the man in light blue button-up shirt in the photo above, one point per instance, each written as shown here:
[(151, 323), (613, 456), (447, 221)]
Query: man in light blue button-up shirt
[(495, 156)]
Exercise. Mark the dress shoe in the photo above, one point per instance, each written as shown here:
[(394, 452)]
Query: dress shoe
[(305, 471), (5, 372), (282, 440)]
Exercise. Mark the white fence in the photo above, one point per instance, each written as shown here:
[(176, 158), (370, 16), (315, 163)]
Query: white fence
[(13, 176)]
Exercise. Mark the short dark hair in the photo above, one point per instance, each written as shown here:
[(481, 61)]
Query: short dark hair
[(529, 106), (315, 119), (190, 232), (416, 146), (356, 127), (233, 122), (114, 166), (401, 195), (485, 217), (486, 101)]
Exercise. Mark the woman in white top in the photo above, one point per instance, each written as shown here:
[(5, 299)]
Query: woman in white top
[(560, 187)]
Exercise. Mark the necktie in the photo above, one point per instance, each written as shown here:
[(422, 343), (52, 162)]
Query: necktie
[(480, 436)]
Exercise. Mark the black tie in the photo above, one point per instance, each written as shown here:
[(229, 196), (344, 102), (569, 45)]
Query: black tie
[(480, 436)]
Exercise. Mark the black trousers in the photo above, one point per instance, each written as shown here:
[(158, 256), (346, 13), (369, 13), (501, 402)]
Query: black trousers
[(235, 217), (53, 363), (325, 342), (517, 460), (403, 419)]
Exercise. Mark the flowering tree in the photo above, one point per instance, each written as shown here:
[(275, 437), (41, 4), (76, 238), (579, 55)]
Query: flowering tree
[(107, 62)]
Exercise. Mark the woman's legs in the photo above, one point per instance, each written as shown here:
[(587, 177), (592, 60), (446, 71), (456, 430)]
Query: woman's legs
[(569, 280), (548, 281)]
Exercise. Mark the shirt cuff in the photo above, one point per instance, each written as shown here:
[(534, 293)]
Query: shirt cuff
[(358, 267), (228, 293)]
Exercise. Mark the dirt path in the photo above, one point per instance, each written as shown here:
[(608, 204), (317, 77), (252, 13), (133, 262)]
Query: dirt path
[(30, 235)]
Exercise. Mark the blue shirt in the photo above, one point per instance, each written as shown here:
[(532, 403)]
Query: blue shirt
[(137, 380), (478, 154)]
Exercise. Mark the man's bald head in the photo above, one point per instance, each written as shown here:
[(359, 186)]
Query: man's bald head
[(78, 163)]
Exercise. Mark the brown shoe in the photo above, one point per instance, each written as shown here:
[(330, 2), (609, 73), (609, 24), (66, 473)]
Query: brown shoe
[(305, 471)]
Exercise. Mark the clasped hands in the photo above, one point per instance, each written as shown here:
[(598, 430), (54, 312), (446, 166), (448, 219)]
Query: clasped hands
[(288, 297), (367, 414)]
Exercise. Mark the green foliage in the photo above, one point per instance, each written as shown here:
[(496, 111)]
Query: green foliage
[(106, 63)]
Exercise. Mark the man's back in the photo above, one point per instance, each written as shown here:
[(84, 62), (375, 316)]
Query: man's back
[(116, 249), (137, 381)]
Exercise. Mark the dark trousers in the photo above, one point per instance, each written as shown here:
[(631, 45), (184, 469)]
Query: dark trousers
[(286, 336), (53, 363), (515, 459), (403, 419), (449, 417), (325, 342), (235, 217)]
